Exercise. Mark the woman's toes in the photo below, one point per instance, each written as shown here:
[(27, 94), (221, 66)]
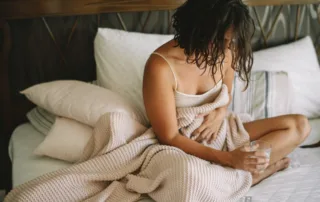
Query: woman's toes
[(287, 163), (278, 166), (282, 164)]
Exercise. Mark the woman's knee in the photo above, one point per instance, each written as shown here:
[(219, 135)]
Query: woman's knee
[(301, 126)]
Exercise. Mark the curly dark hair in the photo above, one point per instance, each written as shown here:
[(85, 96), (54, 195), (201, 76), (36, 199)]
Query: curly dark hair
[(199, 23)]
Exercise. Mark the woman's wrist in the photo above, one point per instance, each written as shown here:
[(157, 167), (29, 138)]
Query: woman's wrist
[(221, 157), (227, 159)]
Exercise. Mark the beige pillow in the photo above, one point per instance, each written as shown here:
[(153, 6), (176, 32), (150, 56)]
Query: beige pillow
[(78, 100), (65, 141)]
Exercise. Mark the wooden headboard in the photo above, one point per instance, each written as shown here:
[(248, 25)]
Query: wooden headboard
[(35, 48), (37, 8)]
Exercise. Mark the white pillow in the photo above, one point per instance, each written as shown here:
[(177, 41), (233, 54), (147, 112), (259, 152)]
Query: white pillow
[(295, 56), (306, 87), (269, 94), (78, 100), (300, 61), (41, 119), (120, 57), (65, 141)]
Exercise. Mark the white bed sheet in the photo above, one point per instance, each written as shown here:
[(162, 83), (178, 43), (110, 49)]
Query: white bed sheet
[(301, 182), (27, 166)]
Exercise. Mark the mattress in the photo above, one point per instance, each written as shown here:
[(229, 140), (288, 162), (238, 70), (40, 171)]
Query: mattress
[(27, 166), (300, 182)]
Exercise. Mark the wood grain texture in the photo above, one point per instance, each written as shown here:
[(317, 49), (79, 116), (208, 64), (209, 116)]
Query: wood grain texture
[(40, 8), (36, 8), (279, 2)]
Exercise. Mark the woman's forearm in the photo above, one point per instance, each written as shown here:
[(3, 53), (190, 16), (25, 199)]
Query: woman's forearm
[(196, 149)]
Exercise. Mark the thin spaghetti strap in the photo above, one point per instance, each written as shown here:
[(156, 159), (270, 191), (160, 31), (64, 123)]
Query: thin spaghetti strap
[(174, 75)]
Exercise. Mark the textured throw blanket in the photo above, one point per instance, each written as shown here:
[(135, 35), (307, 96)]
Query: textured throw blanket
[(123, 161)]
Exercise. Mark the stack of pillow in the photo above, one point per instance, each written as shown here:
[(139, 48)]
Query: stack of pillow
[(284, 80), (77, 106)]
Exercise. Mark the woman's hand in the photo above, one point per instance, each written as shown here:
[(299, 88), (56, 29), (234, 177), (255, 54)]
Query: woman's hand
[(248, 160), (211, 124)]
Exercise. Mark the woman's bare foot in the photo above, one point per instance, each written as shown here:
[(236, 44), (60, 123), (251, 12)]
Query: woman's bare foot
[(278, 166)]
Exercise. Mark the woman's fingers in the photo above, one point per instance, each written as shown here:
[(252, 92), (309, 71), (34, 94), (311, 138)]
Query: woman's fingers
[(255, 154), (249, 148), (198, 131), (256, 168), (204, 135), (213, 137), (256, 161)]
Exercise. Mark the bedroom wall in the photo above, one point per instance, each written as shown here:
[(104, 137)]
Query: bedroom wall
[(49, 42), (51, 48)]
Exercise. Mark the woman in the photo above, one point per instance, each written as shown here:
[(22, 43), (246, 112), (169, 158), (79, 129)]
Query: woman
[(211, 43)]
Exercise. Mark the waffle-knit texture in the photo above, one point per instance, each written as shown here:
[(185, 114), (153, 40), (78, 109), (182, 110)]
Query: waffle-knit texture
[(123, 160)]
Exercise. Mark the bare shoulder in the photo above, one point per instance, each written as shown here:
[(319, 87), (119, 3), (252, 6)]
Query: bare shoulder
[(157, 70), (158, 98)]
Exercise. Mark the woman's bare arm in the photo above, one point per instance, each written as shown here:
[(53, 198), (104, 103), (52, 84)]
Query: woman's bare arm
[(158, 93)]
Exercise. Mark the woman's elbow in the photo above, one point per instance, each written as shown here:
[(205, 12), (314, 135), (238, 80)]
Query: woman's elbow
[(167, 139)]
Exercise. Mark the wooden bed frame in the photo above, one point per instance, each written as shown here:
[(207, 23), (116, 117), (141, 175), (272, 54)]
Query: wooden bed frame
[(13, 110), (37, 8)]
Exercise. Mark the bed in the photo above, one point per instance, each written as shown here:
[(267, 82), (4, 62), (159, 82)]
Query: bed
[(20, 52), (300, 182)]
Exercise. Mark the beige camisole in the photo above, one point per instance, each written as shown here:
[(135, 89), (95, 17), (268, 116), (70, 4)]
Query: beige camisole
[(188, 100)]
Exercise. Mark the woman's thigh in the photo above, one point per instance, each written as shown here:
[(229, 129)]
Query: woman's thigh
[(284, 133), (259, 128)]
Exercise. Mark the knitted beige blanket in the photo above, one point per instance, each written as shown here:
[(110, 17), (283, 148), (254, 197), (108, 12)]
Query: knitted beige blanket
[(123, 161)]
